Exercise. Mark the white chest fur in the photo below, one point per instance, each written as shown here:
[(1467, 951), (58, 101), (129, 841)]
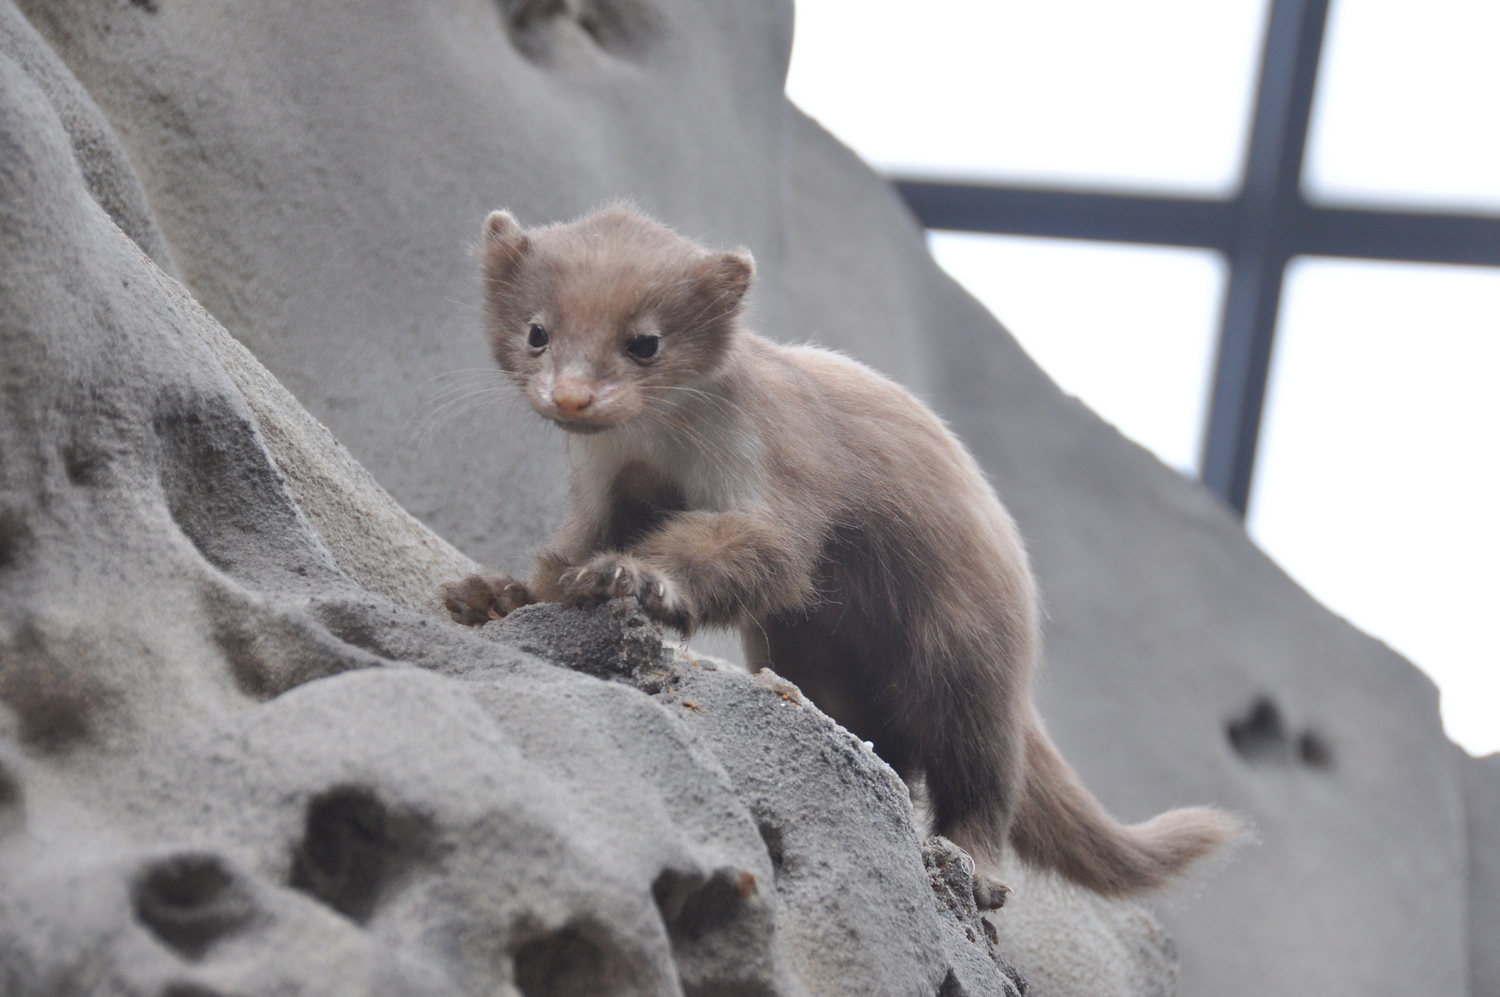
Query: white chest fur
[(701, 442)]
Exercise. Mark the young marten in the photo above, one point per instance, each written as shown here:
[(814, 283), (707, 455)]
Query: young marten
[(798, 495)]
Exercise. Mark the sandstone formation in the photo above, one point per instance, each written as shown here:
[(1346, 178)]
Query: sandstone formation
[(234, 722)]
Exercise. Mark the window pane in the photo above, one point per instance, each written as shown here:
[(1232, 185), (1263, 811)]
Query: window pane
[(1380, 465), (1149, 95), (1408, 106), (1130, 330)]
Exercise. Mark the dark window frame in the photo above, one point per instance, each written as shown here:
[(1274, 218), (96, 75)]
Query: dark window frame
[(1258, 231)]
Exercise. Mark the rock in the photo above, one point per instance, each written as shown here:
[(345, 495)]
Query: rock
[(863, 913), (801, 774), (951, 872), (225, 767), (1483, 783)]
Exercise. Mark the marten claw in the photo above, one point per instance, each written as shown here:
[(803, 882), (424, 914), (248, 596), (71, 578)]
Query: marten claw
[(480, 598), (615, 576)]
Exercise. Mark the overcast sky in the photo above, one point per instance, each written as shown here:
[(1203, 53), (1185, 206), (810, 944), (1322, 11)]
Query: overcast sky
[(1380, 456)]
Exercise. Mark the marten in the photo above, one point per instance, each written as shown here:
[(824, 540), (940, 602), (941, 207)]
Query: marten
[(789, 491)]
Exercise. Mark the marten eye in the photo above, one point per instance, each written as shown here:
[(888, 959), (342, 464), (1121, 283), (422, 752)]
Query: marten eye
[(538, 337), (643, 347)]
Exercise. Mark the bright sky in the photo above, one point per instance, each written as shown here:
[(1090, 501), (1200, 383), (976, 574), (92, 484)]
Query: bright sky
[(1380, 454)]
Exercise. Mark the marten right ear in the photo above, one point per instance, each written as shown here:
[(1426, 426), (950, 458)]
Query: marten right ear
[(505, 245), (727, 276)]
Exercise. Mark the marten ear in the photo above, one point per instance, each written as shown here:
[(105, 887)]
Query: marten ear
[(505, 245), (728, 277)]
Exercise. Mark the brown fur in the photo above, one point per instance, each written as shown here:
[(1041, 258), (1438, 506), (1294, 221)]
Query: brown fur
[(821, 509)]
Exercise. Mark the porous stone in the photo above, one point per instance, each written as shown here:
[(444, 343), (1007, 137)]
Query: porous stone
[(1483, 783), (228, 767)]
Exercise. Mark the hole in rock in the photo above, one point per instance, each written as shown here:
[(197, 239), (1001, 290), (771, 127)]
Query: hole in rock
[(10, 789), (12, 533), (352, 847), (567, 963), (693, 907), (190, 901), (1260, 735), (707, 918), (1314, 751), (84, 463), (12, 800), (342, 857)]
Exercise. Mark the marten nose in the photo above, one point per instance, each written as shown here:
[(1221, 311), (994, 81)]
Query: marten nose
[(572, 398)]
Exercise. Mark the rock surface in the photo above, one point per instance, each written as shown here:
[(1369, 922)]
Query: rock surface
[(228, 767), (1484, 875), (182, 548)]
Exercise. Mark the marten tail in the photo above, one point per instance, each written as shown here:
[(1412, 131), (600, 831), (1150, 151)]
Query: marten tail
[(1058, 825)]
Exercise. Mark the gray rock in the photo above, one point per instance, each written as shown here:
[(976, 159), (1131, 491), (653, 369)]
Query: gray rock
[(1483, 783), (225, 767), (102, 160), (862, 913)]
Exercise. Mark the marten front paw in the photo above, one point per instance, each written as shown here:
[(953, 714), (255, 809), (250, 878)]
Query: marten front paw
[(480, 598), (615, 576)]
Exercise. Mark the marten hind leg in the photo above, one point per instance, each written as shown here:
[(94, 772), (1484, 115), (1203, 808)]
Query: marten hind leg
[(827, 670), (926, 741), (976, 818), (970, 727)]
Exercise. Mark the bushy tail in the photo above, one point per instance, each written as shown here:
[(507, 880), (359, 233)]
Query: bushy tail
[(1059, 825)]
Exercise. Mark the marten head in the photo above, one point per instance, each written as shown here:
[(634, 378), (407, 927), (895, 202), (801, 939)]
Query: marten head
[(600, 318)]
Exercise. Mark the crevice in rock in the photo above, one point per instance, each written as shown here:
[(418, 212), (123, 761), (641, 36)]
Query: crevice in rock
[(190, 901), (85, 463), (353, 847), (228, 498), (775, 847), (13, 533), (12, 800), (271, 650)]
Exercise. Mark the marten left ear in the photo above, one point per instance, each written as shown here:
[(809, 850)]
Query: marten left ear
[(505, 245), (728, 276)]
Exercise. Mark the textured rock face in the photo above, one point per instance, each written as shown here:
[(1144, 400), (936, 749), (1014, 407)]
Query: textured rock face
[(183, 549), (1484, 875), (228, 768)]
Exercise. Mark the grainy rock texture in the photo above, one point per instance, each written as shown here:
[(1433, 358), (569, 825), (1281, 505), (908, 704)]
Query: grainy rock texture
[(227, 767), (1484, 875), (210, 744)]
